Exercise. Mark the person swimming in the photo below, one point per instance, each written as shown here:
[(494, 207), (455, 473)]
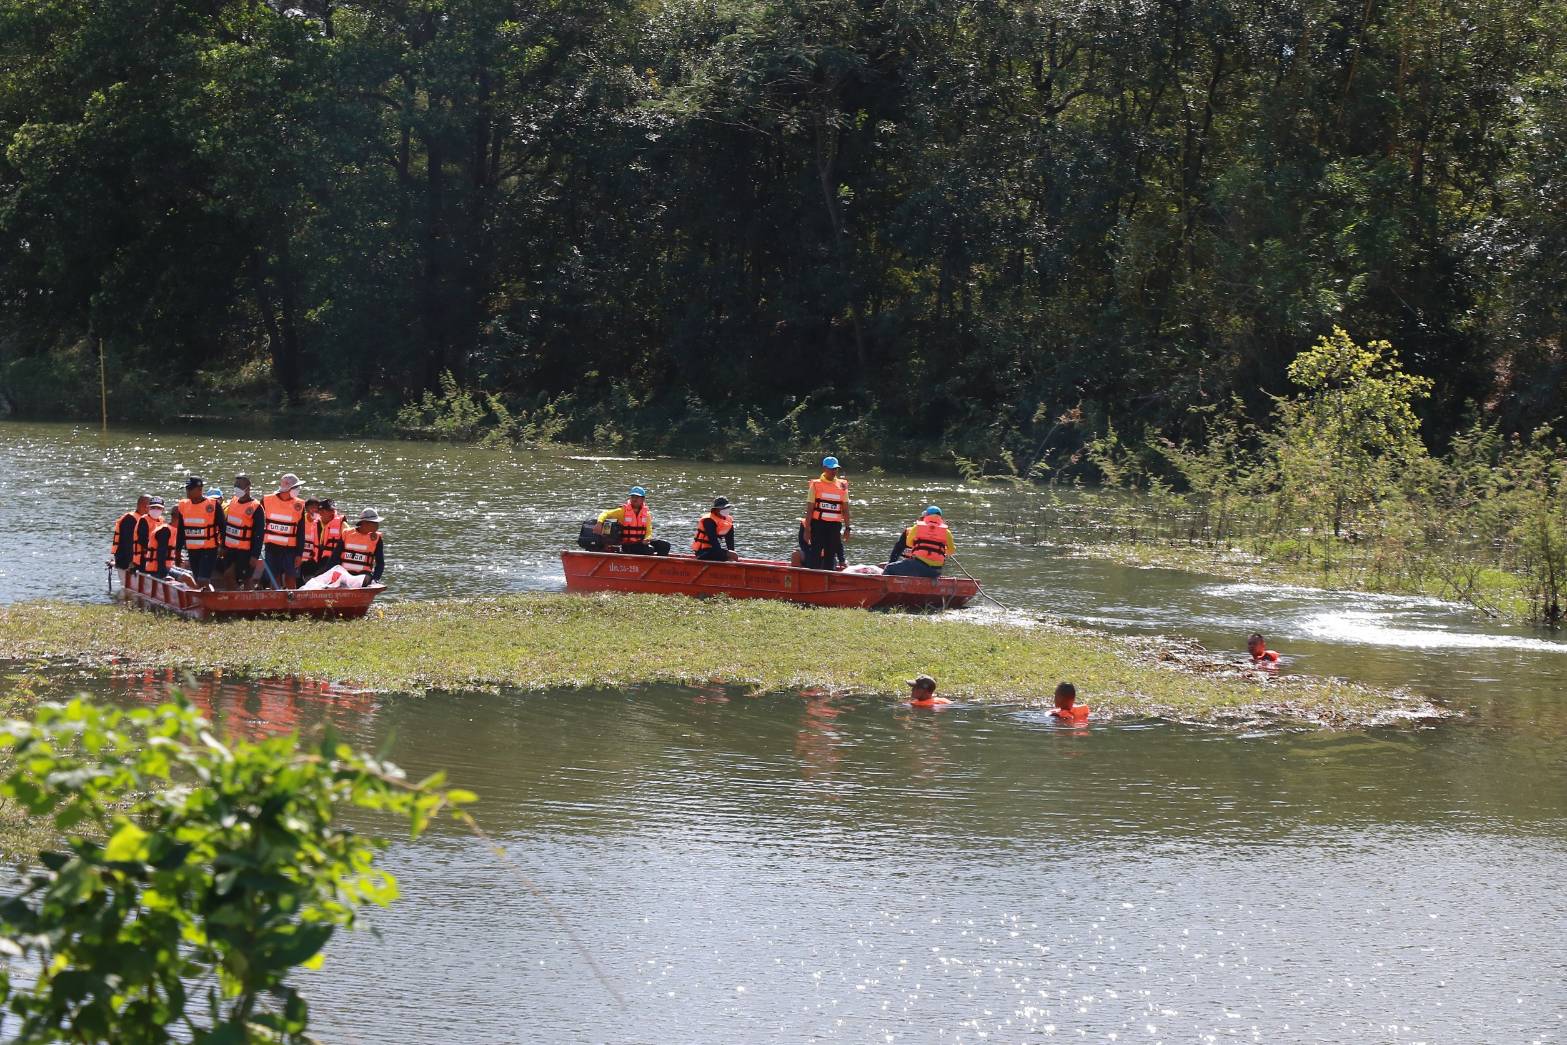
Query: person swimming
[(922, 693), (1261, 655), (1067, 708)]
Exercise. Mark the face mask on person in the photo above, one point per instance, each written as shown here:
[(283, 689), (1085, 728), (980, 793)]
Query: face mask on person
[(728, 513), (155, 513)]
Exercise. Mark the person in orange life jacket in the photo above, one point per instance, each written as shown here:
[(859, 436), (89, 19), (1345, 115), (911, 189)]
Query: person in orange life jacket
[(636, 526), (331, 532), (1261, 655), (922, 693), (242, 531), (311, 554), (1067, 708), (826, 518), (283, 530), (158, 553), (715, 533), (361, 550), (923, 548), (197, 529), (129, 536)]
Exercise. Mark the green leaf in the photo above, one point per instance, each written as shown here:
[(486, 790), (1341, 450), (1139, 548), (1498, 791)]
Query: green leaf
[(127, 845)]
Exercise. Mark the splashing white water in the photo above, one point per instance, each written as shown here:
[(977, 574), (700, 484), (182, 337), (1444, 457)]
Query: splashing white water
[(1369, 629)]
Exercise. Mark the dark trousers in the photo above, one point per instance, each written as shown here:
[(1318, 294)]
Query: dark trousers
[(826, 548), (283, 562), (654, 547), (912, 567), (236, 563), (203, 563), (713, 555)]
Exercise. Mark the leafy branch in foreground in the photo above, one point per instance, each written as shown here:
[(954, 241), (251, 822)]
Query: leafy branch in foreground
[(194, 874)]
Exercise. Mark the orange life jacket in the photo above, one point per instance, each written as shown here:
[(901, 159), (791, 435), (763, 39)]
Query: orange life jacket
[(159, 550), (929, 702), (239, 523), (927, 540), (358, 555), (1267, 656), (114, 543), (200, 522), (828, 500), (313, 531), (723, 524), (634, 526), (332, 533), (1076, 714), (282, 520)]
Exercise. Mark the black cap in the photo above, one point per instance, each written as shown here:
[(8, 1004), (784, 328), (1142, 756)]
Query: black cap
[(923, 682), (720, 502), (242, 480), (194, 480)]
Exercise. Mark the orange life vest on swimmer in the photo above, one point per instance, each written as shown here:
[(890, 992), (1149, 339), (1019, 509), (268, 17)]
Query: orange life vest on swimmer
[(160, 536), (358, 554), (828, 498), (927, 540), (1076, 714), (634, 525), (723, 524), (200, 521), (281, 520), (239, 523)]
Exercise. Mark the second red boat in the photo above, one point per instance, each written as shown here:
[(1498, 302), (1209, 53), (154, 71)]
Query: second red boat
[(760, 579)]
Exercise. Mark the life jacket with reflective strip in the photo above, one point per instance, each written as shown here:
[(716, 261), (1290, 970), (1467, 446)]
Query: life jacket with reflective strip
[(358, 554), (159, 550), (114, 543), (314, 528), (634, 525), (723, 524), (331, 533), (828, 497), (927, 540), (199, 520), (239, 523), (282, 520)]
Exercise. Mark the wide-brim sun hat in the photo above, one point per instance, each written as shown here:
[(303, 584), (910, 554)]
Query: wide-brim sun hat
[(370, 515), (289, 481)]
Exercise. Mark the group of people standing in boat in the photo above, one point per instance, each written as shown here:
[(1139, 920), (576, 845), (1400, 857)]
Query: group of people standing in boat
[(278, 540), (921, 549)]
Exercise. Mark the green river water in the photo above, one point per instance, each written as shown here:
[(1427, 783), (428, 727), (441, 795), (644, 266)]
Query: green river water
[(794, 867)]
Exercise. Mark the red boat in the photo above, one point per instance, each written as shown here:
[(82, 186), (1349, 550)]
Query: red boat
[(760, 579), (178, 594)]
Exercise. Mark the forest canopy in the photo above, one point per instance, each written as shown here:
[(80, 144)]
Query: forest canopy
[(952, 221)]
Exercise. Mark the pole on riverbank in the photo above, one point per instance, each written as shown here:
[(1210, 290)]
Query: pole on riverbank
[(975, 579), (103, 387)]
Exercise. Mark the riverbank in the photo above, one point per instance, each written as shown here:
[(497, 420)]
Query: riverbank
[(556, 640), (1496, 594)]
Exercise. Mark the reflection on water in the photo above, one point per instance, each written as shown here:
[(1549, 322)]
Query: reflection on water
[(796, 866)]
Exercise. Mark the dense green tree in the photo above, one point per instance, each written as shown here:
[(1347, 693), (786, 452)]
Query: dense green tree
[(947, 221)]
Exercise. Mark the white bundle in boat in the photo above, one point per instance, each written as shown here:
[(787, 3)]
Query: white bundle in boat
[(336, 577)]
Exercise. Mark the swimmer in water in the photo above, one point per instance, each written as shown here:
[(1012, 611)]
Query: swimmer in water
[(1261, 655), (922, 693), (1067, 708)]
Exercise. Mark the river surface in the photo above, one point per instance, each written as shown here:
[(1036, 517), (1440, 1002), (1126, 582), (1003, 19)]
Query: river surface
[(792, 867)]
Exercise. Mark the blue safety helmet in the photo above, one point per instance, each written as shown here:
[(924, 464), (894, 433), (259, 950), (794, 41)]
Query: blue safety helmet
[(214, 491), (637, 491), (829, 462), (932, 510)]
